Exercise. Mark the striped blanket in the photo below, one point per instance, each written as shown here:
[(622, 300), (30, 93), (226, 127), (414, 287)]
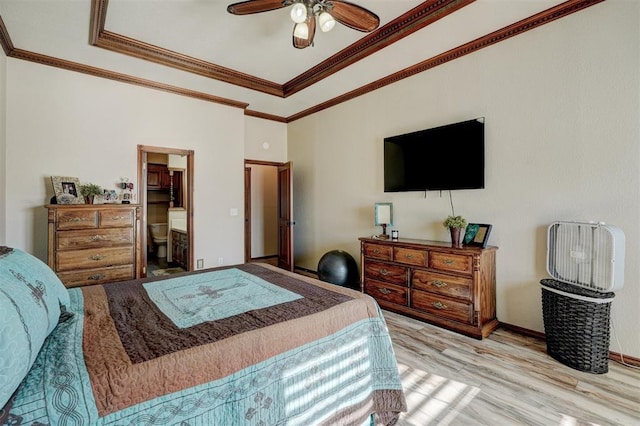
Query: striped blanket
[(244, 345)]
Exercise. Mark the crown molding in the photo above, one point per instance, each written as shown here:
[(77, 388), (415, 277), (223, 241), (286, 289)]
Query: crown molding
[(264, 115), (123, 78), (497, 36), (399, 28), (5, 39), (418, 17)]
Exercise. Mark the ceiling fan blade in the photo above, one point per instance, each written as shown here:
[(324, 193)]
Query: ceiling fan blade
[(354, 16), (300, 42), (254, 6)]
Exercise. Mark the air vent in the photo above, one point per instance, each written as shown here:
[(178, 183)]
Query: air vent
[(586, 254)]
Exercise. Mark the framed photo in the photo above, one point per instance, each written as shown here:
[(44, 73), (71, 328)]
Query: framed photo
[(109, 196), (67, 190), (477, 234)]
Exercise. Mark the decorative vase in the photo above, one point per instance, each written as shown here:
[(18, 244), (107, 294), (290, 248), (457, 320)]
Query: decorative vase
[(89, 199), (455, 237)]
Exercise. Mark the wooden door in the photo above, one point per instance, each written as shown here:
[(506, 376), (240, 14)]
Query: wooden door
[(285, 216), (247, 214)]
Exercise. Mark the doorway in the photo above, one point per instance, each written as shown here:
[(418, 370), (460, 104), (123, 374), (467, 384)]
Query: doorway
[(165, 192), (268, 213)]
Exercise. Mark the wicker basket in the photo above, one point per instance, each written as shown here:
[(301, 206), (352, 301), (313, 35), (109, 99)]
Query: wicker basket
[(576, 325)]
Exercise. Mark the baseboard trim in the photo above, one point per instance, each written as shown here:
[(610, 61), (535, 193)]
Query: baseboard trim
[(523, 331), (273, 256), (624, 359), (309, 271), (614, 356)]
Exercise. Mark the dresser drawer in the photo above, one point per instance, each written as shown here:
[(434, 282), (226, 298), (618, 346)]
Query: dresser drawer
[(385, 291), (451, 262), (410, 256), (386, 272), (77, 219), (97, 276), (447, 285), (69, 240), (117, 218), (94, 258), (442, 306), (377, 251)]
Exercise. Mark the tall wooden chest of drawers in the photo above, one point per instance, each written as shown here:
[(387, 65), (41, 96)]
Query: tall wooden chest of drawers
[(454, 288), (94, 244)]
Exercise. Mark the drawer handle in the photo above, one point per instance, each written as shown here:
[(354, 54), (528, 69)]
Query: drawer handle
[(385, 291), (77, 219), (118, 217), (448, 262), (376, 251), (439, 305), (409, 256), (439, 284), (97, 238), (97, 277), (97, 257), (383, 271)]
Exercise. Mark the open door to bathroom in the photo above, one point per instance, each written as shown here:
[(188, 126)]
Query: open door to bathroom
[(144, 152)]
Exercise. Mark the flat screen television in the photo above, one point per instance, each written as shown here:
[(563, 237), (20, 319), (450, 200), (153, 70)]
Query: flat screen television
[(441, 158)]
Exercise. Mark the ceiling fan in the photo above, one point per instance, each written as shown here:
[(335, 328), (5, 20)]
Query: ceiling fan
[(304, 14)]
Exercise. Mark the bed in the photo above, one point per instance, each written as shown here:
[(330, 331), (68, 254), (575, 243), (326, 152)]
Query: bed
[(243, 345)]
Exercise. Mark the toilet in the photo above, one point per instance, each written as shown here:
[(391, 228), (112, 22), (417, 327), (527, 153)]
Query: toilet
[(159, 237)]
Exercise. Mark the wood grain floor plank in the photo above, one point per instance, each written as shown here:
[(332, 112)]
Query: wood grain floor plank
[(506, 379)]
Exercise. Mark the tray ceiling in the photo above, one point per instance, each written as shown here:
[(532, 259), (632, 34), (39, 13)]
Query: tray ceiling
[(196, 48)]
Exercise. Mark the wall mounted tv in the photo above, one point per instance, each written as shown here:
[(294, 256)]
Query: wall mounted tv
[(442, 158)]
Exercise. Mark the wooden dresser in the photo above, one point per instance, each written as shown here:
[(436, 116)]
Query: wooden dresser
[(94, 243), (180, 248), (454, 288)]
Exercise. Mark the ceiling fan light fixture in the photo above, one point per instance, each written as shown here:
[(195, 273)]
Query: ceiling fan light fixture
[(309, 14), (299, 13), (301, 30), (326, 22)]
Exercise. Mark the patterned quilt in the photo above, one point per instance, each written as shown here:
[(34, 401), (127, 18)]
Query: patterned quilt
[(244, 345)]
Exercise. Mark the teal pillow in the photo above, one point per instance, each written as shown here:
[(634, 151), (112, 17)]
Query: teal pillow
[(30, 298)]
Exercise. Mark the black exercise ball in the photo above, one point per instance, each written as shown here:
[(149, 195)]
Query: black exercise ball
[(339, 267)]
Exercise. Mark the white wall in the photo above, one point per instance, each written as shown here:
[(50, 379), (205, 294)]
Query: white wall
[(562, 108), (265, 140), (62, 123)]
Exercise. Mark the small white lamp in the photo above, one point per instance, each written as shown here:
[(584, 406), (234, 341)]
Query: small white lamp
[(383, 217)]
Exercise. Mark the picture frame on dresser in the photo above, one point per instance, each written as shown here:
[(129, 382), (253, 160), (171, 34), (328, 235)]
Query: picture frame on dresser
[(109, 196), (477, 235), (67, 190)]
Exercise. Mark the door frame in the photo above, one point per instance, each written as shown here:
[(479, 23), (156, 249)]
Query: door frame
[(143, 150), (247, 207)]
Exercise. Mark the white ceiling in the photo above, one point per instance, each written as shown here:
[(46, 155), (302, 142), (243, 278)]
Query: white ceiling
[(258, 45)]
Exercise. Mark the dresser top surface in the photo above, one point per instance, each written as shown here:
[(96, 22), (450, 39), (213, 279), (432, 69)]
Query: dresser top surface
[(424, 243), (90, 206)]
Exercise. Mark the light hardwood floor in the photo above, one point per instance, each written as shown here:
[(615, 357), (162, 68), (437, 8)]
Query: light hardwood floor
[(506, 379)]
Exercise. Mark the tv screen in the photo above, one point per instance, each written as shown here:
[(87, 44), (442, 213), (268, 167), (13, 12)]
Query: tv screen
[(441, 158)]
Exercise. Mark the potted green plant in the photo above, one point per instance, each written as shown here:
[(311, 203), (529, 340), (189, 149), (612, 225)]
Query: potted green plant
[(89, 191), (455, 224)]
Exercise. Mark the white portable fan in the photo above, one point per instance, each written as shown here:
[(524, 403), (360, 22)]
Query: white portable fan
[(586, 254)]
